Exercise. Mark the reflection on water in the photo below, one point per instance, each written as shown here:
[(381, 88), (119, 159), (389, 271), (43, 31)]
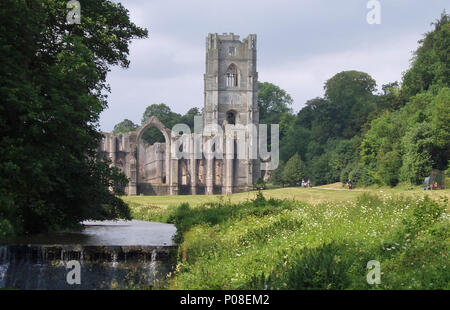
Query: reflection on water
[(108, 233)]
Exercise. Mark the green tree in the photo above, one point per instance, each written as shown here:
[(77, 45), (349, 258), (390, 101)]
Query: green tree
[(294, 171), (188, 118), (125, 126), (351, 100), (341, 153), (320, 171), (162, 112), (431, 62), (384, 136), (259, 184), (414, 138), (359, 175), (393, 97), (277, 175), (349, 87), (417, 144), (165, 115), (273, 102), (440, 124), (53, 86), (388, 168)]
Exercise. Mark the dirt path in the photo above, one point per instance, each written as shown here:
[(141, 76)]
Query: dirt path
[(339, 189)]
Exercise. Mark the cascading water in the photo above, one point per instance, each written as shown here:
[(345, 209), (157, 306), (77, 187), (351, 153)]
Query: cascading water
[(115, 255), (4, 264)]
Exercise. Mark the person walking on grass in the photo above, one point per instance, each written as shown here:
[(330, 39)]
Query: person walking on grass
[(350, 185)]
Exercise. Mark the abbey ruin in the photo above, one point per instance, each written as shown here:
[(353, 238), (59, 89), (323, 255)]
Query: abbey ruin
[(230, 98)]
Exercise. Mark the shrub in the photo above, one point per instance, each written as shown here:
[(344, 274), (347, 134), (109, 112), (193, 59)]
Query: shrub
[(417, 161), (277, 175), (346, 172), (322, 267), (360, 176), (6, 229), (259, 184), (389, 167), (294, 171), (424, 214)]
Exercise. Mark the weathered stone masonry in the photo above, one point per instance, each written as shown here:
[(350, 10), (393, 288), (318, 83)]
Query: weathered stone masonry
[(230, 97)]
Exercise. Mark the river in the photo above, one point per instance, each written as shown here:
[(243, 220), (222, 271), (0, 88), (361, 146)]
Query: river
[(104, 255)]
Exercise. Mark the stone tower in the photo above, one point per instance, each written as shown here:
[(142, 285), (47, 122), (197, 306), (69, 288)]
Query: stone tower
[(230, 90), (231, 80)]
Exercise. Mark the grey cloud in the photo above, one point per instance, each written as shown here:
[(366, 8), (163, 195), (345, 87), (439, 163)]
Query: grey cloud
[(300, 45)]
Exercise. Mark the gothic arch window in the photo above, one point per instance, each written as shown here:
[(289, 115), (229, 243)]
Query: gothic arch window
[(231, 117), (232, 76)]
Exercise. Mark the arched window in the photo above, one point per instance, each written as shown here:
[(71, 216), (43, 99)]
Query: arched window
[(232, 76), (231, 117)]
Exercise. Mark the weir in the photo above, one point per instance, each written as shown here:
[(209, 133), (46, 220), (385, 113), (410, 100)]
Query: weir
[(111, 255)]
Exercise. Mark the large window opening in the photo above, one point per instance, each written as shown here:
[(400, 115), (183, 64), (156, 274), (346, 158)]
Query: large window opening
[(231, 117), (151, 156), (153, 135), (232, 76)]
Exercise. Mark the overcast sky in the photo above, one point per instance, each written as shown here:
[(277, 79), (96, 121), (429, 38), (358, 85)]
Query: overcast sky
[(301, 44)]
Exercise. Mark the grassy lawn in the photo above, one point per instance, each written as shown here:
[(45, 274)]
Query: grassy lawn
[(296, 238), (326, 193), (155, 208)]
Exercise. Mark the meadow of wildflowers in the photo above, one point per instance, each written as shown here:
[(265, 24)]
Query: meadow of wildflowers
[(286, 244)]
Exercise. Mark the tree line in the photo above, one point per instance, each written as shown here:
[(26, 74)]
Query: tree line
[(397, 135)]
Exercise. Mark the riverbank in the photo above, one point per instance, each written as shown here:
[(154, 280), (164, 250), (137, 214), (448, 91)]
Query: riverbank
[(254, 242)]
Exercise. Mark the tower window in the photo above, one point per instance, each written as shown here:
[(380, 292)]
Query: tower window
[(231, 117), (232, 51), (232, 76)]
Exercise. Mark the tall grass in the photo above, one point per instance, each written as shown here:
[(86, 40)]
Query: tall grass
[(285, 244)]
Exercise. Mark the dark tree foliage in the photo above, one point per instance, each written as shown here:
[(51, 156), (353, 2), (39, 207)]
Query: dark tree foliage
[(273, 102), (397, 135), (52, 89), (125, 126), (165, 115), (324, 132), (431, 63), (294, 171), (277, 175), (405, 144), (393, 97), (351, 100), (188, 118)]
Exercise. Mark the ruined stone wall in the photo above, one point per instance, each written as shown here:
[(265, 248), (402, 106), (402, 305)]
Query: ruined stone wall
[(231, 85), (152, 165)]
